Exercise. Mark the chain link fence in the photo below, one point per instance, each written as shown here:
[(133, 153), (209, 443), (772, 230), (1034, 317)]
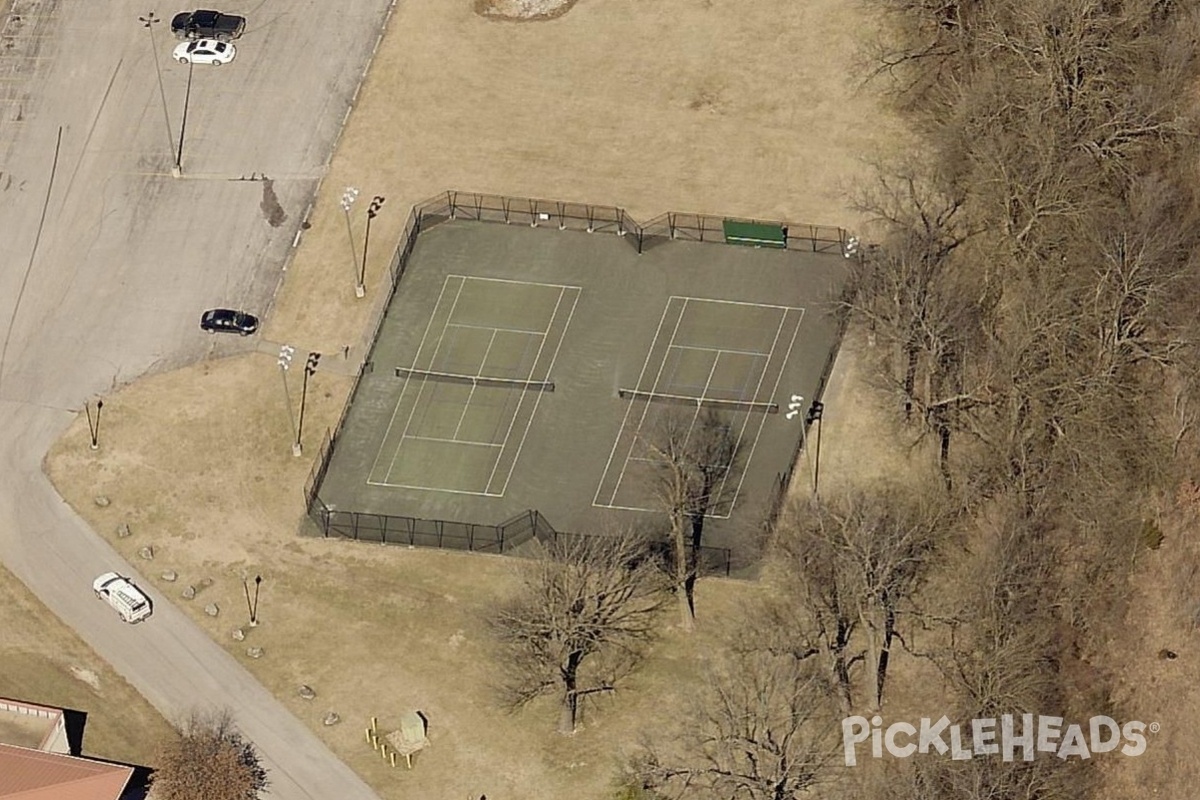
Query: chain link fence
[(471, 206)]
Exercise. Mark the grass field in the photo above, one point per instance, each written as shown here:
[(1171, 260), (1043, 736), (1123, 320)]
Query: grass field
[(43, 661), (674, 105)]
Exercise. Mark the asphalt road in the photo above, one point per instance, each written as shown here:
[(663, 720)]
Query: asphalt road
[(106, 262)]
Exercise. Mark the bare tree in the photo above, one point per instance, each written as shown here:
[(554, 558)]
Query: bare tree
[(695, 455), (922, 308), (854, 561), (578, 622), (764, 730), (983, 779), (208, 758)]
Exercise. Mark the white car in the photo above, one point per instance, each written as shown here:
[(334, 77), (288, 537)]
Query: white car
[(127, 599), (204, 51)]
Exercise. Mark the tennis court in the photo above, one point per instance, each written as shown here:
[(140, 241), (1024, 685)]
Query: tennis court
[(717, 354), (523, 368), (473, 388)]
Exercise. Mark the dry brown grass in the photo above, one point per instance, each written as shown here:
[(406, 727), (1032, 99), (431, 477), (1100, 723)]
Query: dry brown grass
[(672, 105), (675, 105), (43, 661), (376, 631)]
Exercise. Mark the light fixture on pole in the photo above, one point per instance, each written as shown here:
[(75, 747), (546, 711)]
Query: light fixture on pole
[(310, 367), (94, 424), (177, 171), (252, 607), (148, 22), (348, 198), (814, 416), (376, 204), (285, 360)]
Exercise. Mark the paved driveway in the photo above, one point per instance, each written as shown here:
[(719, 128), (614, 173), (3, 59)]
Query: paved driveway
[(106, 262)]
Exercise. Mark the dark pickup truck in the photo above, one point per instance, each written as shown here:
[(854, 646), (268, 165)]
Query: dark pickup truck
[(207, 25)]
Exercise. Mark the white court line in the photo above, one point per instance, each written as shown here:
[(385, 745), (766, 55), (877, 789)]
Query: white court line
[(474, 385), (763, 418), (431, 489), (629, 408), (421, 388), (538, 399), (733, 302), (646, 409), (521, 400), (404, 388), (720, 350), (521, 283), (762, 422), (441, 339), (451, 441), (741, 435), (493, 328)]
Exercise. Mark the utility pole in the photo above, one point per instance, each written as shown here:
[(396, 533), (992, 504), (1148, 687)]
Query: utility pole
[(285, 360), (187, 98), (814, 417), (148, 22), (376, 203), (252, 607), (310, 367), (94, 425), (348, 198)]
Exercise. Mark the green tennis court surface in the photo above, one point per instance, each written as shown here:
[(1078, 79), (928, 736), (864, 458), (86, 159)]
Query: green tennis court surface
[(522, 368)]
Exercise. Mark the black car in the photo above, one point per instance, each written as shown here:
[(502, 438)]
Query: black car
[(226, 320), (207, 25)]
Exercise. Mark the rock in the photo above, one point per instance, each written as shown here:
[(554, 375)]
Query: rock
[(212, 610), (254, 652), (1167, 655), (170, 575), (188, 592), (123, 530), (147, 553), (307, 692), (205, 583), (102, 500), (332, 718), (238, 634)]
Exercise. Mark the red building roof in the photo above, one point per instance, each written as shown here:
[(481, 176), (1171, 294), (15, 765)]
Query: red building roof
[(34, 775)]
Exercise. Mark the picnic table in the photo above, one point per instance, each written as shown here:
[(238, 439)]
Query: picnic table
[(411, 737)]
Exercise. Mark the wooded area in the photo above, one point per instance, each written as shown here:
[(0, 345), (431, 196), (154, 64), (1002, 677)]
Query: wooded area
[(1028, 307)]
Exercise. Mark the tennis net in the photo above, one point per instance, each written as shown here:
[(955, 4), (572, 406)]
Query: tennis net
[(703, 402), (474, 380)]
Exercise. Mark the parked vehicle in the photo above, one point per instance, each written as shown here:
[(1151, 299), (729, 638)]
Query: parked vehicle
[(207, 25), (205, 51), (127, 599), (226, 320)]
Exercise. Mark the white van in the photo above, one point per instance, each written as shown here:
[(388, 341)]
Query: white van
[(127, 599)]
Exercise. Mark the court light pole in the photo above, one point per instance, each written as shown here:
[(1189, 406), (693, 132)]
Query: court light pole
[(148, 22), (187, 98), (252, 607), (814, 417), (348, 198), (310, 367), (94, 425), (286, 352), (376, 203)]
